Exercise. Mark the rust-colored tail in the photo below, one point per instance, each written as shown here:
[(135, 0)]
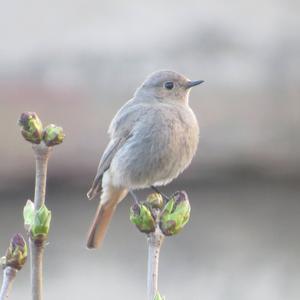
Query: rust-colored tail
[(108, 203)]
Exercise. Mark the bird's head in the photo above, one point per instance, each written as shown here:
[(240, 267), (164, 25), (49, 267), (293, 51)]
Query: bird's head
[(167, 85)]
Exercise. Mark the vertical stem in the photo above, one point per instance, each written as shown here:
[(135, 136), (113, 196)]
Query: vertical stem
[(9, 275), (36, 253), (42, 153), (155, 240)]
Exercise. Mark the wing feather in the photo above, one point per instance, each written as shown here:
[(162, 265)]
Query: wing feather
[(108, 155)]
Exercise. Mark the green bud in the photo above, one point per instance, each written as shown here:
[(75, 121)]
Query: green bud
[(159, 297), (175, 214), (16, 253), (31, 127), (37, 223), (141, 216), (53, 135), (155, 200), (41, 223), (28, 214)]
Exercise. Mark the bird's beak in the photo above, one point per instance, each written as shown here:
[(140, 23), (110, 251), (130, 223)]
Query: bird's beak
[(192, 83)]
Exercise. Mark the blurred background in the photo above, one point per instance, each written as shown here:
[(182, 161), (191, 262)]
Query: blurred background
[(76, 62)]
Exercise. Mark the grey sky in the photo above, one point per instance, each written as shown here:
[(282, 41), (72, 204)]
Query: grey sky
[(30, 28)]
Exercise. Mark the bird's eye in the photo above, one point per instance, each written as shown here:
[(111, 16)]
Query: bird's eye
[(169, 85)]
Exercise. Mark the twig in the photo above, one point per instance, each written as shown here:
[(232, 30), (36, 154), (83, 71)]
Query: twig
[(42, 153), (155, 240), (9, 275), (158, 220), (37, 217), (12, 262)]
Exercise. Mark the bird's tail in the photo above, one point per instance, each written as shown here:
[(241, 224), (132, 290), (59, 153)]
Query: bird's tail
[(108, 203)]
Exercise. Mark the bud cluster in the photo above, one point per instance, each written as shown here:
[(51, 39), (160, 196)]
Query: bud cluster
[(37, 223), (33, 131), (170, 218), (16, 254)]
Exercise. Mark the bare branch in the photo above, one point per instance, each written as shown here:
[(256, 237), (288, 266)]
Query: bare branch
[(9, 275)]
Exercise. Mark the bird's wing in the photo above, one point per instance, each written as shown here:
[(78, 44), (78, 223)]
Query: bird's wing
[(107, 157), (120, 130)]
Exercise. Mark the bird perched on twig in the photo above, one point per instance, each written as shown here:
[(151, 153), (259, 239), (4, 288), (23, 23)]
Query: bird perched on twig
[(153, 138)]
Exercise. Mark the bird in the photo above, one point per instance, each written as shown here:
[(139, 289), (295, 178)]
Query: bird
[(153, 138)]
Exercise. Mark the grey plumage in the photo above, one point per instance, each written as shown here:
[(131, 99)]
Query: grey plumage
[(153, 138)]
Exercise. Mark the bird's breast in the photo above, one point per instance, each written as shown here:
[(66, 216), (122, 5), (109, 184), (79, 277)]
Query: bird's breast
[(162, 146)]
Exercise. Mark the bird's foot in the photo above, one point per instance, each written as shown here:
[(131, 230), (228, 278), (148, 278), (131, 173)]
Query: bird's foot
[(134, 197), (167, 198)]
